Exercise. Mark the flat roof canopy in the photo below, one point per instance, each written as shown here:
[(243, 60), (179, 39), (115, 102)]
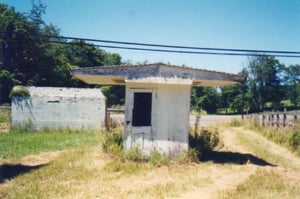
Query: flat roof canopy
[(154, 73)]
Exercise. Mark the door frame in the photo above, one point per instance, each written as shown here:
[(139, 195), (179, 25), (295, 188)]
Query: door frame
[(138, 136)]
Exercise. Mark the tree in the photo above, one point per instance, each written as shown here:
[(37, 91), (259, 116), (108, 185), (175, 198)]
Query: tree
[(7, 81), (228, 95), (31, 56), (205, 98), (292, 80), (115, 95), (83, 54), (112, 59), (264, 81), (18, 46)]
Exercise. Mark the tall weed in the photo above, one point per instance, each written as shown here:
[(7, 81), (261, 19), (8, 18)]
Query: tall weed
[(294, 141), (113, 144), (203, 141)]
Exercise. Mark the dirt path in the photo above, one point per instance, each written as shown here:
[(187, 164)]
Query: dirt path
[(287, 158), (287, 164), (221, 180)]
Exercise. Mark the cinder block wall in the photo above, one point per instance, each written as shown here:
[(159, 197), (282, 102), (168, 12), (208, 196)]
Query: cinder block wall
[(58, 108)]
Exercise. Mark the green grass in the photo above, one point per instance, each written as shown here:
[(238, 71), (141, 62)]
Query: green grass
[(14, 145), (264, 184)]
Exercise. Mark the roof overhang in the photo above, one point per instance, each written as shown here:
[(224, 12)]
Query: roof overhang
[(154, 74), (101, 79)]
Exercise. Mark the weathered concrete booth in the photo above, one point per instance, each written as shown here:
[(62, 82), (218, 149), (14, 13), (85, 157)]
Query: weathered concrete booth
[(157, 101), (54, 107)]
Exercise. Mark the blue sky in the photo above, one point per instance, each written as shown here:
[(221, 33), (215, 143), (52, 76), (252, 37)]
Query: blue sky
[(245, 24)]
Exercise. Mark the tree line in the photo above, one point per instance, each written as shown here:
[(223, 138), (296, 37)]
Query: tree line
[(268, 85), (29, 57)]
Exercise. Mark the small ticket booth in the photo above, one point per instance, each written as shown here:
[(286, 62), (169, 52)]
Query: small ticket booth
[(157, 102)]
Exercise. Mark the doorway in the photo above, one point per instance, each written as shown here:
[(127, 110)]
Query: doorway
[(139, 117)]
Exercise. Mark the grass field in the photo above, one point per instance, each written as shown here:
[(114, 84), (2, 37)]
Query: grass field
[(15, 145), (66, 164), (73, 165)]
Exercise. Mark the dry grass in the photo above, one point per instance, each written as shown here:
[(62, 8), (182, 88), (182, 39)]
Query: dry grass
[(88, 172), (264, 184)]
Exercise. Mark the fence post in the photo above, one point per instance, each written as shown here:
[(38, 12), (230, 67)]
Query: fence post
[(107, 117), (284, 119), (197, 123), (272, 118), (277, 119)]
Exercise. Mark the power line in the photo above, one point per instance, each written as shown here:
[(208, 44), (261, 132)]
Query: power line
[(174, 46), (167, 48), (175, 51)]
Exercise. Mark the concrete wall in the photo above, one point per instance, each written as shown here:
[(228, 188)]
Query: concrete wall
[(60, 108), (170, 119)]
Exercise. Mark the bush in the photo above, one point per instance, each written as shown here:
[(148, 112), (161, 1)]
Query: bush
[(20, 91), (203, 142)]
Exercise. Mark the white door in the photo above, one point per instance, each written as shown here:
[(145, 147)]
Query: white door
[(139, 110)]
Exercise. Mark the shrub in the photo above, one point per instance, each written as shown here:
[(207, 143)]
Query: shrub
[(20, 91), (203, 142)]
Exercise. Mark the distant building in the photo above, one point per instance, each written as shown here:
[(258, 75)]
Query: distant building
[(157, 101), (59, 108)]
